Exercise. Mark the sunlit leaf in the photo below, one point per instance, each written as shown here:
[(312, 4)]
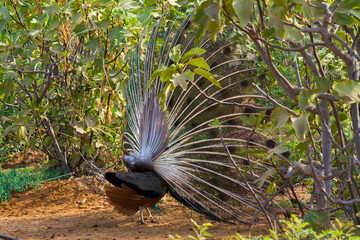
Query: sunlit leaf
[(175, 53), (306, 96), (194, 52), (215, 123), (199, 62), (21, 133), (271, 189), (181, 79), (348, 91), (167, 74), (209, 76)]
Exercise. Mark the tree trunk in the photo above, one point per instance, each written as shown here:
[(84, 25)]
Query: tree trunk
[(59, 153)]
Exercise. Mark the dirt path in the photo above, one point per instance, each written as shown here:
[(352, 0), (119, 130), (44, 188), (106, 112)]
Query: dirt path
[(76, 209)]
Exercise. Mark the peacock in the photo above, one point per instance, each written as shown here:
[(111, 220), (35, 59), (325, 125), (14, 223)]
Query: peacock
[(190, 136)]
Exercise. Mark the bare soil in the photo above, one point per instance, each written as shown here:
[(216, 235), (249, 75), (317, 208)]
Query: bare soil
[(77, 209), (28, 158)]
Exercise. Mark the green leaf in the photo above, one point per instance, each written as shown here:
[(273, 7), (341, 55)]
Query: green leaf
[(21, 133), (282, 3), (316, 219), (8, 86), (202, 20), (90, 121), (167, 74), (348, 91), (248, 120), (276, 15), (175, 53), (67, 5), (343, 116), (194, 52), (157, 72), (163, 94), (346, 8), (181, 79), (260, 118), (293, 34), (104, 24), (306, 96), (215, 28), (301, 126), (5, 12), (87, 59), (52, 10), (209, 76), (262, 178), (199, 62), (144, 15), (267, 32), (279, 117), (213, 12), (57, 48), (243, 10), (342, 18), (312, 14), (215, 123), (10, 128), (324, 83), (271, 189)]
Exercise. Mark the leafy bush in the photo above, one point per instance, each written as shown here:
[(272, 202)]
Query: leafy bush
[(8, 147), (295, 229), (21, 179)]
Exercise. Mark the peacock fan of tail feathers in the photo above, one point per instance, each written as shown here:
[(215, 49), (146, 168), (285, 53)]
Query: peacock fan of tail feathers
[(188, 108)]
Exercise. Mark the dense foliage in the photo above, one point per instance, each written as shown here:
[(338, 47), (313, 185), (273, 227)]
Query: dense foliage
[(63, 73), (21, 179)]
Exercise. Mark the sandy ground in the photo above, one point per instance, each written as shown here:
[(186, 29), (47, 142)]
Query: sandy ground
[(77, 209)]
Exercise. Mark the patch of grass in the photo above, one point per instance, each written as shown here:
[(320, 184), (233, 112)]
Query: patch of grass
[(21, 179)]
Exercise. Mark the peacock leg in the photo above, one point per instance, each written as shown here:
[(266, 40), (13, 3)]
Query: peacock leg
[(150, 215), (141, 216)]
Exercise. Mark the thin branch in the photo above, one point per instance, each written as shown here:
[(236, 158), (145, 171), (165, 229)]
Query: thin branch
[(273, 100), (18, 16), (297, 73), (119, 70), (298, 49), (304, 30), (22, 71), (115, 57), (353, 53), (10, 105)]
